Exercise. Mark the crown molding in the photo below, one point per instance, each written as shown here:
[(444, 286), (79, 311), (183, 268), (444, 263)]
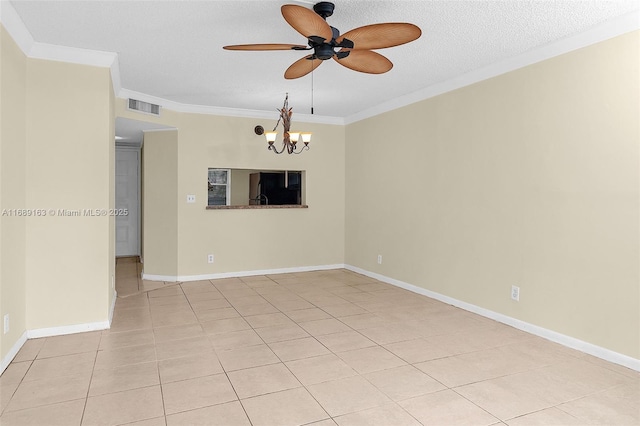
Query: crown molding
[(115, 76), (598, 33), (225, 112), (51, 52), (73, 55), (15, 27), (601, 32)]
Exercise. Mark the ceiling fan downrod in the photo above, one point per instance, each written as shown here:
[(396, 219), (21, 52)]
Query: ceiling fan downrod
[(324, 9)]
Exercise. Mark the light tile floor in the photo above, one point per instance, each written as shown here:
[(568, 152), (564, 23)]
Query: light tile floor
[(322, 348)]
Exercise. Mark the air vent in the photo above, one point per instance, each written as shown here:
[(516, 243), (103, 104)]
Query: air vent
[(145, 107)]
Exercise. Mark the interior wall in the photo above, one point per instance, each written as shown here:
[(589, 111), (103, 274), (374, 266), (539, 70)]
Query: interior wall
[(240, 187), (248, 240), (69, 169), (527, 179), (13, 86), (141, 230), (259, 239), (160, 198), (111, 151)]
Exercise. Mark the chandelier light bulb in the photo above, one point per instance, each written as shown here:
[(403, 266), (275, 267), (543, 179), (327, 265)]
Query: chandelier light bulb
[(271, 136)]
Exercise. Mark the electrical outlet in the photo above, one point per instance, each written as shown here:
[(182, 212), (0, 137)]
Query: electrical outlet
[(6, 323), (210, 258), (379, 259), (191, 199), (515, 293)]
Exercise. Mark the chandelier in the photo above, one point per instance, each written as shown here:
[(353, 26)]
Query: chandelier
[(290, 139)]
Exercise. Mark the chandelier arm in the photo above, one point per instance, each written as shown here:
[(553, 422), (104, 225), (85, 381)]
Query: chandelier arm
[(304, 148), (274, 149)]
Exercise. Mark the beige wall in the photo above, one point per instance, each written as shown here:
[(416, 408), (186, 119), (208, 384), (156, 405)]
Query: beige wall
[(246, 240), (160, 201), (240, 187), (56, 152), (13, 84), (111, 290), (527, 179), (69, 165)]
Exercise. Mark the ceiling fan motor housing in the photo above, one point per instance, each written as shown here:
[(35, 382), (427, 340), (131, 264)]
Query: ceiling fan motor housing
[(324, 51)]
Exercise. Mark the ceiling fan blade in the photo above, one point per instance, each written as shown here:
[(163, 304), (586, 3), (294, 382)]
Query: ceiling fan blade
[(302, 67), (379, 36), (269, 46), (365, 61), (306, 21)]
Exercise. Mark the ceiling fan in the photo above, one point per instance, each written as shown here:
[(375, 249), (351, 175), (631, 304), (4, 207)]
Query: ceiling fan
[(354, 46)]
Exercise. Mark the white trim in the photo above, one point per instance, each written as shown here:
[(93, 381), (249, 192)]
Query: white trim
[(571, 342), (129, 145), (68, 329), (112, 307), (185, 278), (115, 75), (12, 352), (36, 50), (601, 32), (15, 27), (226, 112), (72, 55), (164, 129)]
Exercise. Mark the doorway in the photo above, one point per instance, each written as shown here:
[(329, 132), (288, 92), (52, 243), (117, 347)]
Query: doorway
[(127, 201), (128, 184)]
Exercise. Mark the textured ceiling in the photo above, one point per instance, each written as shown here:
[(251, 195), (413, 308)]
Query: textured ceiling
[(173, 49)]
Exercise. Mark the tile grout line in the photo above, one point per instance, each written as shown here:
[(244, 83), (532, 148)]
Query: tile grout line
[(86, 399)]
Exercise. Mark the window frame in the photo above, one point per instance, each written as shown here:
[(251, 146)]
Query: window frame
[(227, 185)]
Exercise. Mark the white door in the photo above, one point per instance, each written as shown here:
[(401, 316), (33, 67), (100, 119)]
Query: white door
[(127, 197)]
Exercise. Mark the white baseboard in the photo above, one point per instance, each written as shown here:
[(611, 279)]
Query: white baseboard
[(57, 331), (185, 278), (12, 352), (571, 342), (112, 307), (67, 329)]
